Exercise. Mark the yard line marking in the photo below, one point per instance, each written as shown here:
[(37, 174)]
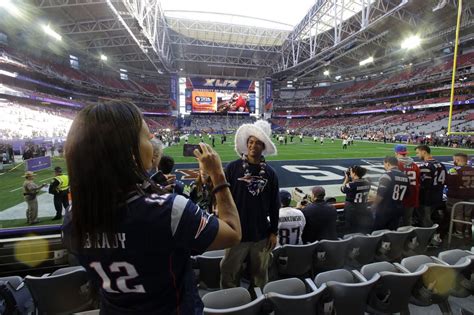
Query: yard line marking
[(16, 189)]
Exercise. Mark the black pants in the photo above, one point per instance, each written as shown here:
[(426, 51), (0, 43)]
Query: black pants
[(358, 218), (60, 201), (388, 218)]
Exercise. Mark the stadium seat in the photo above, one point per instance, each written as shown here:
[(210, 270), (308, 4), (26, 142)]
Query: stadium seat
[(436, 283), (15, 298), (295, 260), (330, 255), (392, 245), (419, 239), (209, 269), (236, 301), (290, 296), (361, 249), (348, 290), (456, 257), (73, 287), (392, 292)]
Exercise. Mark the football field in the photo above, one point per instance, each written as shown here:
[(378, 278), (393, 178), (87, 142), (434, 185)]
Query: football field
[(298, 164)]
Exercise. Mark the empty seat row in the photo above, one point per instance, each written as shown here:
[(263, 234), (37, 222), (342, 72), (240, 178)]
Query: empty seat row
[(354, 251), (65, 291), (380, 288)]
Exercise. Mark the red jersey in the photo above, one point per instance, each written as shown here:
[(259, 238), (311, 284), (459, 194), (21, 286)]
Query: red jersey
[(460, 182), (409, 167)]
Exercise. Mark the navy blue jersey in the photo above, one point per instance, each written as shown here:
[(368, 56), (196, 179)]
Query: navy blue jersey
[(393, 187), (145, 267), (356, 191), (433, 177), (256, 198)]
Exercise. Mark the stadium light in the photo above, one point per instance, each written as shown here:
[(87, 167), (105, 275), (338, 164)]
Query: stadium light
[(411, 42), (326, 72), (337, 77), (48, 30), (366, 61), (10, 7), (103, 57)]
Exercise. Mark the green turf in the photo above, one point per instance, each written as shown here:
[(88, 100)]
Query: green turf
[(12, 180), (22, 222), (308, 150)]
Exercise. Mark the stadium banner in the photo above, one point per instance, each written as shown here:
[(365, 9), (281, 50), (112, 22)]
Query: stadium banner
[(174, 93), (38, 164), (204, 101), (268, 95), (220, 84)]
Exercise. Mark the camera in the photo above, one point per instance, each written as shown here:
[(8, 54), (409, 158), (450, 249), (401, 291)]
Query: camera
[(348, 172)]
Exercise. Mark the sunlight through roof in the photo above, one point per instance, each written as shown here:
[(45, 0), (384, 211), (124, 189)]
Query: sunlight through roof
[(274, 14)]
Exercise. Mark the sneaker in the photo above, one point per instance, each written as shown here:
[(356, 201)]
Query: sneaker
[(458, 235), (57, 218), (436, 240)]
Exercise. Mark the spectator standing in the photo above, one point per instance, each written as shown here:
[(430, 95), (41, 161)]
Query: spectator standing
[(392, 189), (358, 217), (291, 222), (460, 182), (409, 167), (432, 180), (59, 188), (320, 217), (135, 245), (30, 191), (254, 186)]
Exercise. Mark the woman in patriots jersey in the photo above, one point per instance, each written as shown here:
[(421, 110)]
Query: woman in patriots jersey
[(135, 245), (358, 217)]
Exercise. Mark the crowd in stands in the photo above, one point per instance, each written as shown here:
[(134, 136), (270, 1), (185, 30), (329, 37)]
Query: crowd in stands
[(217, 123), (23, 122)]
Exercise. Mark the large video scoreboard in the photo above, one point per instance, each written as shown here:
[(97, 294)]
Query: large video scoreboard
[(219, 95)]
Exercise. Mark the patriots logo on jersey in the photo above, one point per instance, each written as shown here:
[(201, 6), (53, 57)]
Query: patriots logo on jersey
[(255, 184)]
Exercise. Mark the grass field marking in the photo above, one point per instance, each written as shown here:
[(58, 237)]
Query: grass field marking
[(16, 189), (43, 180), (15, 167)]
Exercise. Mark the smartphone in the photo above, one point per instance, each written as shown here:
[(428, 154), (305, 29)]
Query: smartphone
[(188, 149), (159, 178)]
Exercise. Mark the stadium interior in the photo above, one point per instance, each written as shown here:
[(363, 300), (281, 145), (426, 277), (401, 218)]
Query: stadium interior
[(378, 73)]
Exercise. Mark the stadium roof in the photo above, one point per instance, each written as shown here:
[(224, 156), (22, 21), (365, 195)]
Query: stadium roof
[(252, 39)]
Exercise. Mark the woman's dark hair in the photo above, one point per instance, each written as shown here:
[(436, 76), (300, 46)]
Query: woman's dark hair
[(359, 170), (103, 161)]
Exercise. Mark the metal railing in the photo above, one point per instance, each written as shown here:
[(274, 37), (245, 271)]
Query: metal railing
[(452, 221)]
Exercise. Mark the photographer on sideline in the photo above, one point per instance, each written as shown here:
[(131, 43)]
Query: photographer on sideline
[(358, 217), (320, 218)]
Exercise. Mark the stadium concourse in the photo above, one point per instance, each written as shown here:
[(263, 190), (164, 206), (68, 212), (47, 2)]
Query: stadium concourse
[(369, 105)]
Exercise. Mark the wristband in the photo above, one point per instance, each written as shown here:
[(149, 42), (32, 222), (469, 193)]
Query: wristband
[(220, 187)]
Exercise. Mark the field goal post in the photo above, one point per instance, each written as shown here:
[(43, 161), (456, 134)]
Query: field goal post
[(453, 79)]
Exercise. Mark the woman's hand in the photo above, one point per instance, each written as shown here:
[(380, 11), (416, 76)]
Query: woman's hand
[(210, 162)]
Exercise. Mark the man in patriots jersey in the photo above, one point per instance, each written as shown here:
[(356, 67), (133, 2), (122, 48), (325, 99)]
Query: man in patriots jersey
[(358, 217), (432, 179), (291, 222), (409, 167), (392, 189), (136, 246), (460, 182)]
